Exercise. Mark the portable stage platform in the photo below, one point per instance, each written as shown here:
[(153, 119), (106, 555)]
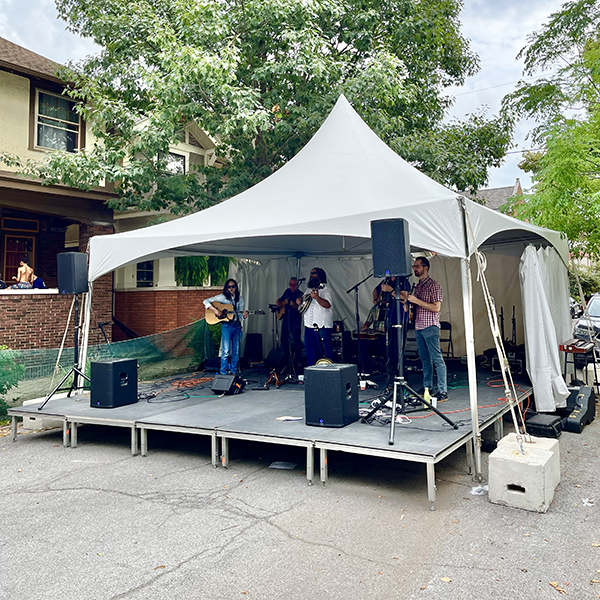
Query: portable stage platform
[(185, 407)]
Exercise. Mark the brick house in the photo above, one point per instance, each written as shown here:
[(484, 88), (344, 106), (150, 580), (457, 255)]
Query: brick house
[(41, 221), (36, 220)]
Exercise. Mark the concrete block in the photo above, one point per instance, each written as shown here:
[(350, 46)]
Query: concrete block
[(526, 480), (37, 423)]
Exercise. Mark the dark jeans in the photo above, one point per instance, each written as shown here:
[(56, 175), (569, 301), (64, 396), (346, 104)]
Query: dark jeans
[(291, 326)]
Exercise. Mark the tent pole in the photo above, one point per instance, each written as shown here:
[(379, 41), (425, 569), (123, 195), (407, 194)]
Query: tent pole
[(467, 293)]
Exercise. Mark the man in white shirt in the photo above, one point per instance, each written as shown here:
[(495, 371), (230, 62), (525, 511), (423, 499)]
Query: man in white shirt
[(318, 313)]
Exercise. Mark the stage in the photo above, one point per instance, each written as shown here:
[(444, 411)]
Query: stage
[(185, 404)]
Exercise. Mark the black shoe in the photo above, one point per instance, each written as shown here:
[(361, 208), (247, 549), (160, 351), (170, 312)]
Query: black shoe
[(442, 396)]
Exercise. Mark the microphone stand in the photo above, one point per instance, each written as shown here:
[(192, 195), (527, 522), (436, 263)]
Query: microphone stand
[(359, 354)]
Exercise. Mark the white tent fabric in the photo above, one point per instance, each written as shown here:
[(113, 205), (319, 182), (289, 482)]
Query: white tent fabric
[(546, 324), (321, 204)]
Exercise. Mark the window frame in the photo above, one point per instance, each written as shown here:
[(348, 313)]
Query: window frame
[(35, 121)]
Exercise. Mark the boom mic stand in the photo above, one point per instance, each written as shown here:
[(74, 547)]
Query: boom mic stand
[(354, 288), (75, 368)]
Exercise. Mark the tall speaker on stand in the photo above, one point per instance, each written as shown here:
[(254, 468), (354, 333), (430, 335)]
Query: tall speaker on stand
[(391, 258), (72, 279)]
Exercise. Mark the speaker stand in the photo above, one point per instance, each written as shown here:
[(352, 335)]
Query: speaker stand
[(75, 368)]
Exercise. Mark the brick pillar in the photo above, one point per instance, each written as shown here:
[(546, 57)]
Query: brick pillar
[(102, 297)]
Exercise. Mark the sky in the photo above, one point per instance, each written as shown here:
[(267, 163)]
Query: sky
[(497, 30)]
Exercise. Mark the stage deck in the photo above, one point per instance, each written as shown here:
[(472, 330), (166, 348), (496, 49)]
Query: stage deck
[(423, 437)]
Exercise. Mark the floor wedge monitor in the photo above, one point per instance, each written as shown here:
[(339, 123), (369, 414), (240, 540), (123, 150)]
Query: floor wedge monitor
[(227, 384), (114, 383), (331, 395)]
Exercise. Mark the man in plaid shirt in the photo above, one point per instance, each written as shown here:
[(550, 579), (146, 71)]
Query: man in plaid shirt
[(427, 302)]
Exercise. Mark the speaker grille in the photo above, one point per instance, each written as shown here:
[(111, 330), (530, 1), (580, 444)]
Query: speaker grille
[(391, 248)]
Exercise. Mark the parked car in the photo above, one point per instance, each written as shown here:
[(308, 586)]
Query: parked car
[(575, 307), (583, 325)]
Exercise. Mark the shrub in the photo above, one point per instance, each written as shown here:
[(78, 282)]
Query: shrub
[(11, 372)]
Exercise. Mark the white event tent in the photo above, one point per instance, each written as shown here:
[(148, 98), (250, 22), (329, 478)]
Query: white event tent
[(319, 207)]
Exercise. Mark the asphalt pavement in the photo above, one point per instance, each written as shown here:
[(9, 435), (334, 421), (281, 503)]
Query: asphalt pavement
[(95, 523)]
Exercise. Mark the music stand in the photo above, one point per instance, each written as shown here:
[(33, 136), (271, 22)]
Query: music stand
[(361, 366)]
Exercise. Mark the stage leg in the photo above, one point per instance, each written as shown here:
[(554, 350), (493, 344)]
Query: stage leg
[(66, 433), (214, 450), (134, 441), (431, 484), (324, 469), (13, 428), (225, 452), (499, 429), (310, 463), (469, 449), (143, 441), (73, 435)]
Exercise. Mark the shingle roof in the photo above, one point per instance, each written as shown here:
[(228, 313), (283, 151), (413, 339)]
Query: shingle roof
[(19, 59), (494, 198)]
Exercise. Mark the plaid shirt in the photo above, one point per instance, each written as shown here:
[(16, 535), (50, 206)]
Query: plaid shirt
[(429, 291)]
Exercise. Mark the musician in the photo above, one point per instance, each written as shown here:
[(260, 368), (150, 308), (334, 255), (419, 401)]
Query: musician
[(427, 302), (319, 311), (290, 330), (383, 293), (231, 331)]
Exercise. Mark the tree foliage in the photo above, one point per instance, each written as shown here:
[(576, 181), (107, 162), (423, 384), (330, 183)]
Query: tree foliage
[(260, 76), (566, 174)]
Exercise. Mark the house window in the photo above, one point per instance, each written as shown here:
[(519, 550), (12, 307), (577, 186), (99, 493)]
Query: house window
[(175, 164), (145, 274), (57, 123)]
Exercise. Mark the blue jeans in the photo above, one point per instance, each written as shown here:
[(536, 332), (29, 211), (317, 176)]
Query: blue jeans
[(428, 342), (313, 345), (231, 336)]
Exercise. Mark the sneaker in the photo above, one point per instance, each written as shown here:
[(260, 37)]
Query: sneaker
[(442, 396)]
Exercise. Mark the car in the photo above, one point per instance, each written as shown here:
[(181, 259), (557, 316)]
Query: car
[(575, 308), (583, 325)]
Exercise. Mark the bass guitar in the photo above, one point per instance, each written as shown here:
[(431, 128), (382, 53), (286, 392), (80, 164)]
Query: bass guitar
[(226, 313)]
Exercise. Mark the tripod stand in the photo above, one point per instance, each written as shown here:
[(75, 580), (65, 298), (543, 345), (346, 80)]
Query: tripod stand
[(400, 383), (75, 368)]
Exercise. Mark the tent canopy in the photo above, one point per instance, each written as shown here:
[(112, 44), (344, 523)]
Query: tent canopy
[(321, 203)]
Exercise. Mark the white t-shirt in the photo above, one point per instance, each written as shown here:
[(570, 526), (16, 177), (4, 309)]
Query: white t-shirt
[(315, 313)]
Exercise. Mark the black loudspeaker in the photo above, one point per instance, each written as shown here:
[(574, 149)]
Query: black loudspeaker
[(72, 273), (391, 248), (331, 395), (114, 383), (277, 360), (227, 384)]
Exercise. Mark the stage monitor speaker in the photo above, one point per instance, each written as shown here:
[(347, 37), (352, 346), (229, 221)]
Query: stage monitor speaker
[(227, 384), (331, 395), (391, 248), (72, 273), (277, 360), (114, 383)]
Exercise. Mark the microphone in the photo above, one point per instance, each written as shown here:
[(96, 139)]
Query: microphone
[(301, 279)]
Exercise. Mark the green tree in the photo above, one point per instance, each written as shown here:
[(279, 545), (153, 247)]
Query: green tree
[(260, 76), (565, 100)]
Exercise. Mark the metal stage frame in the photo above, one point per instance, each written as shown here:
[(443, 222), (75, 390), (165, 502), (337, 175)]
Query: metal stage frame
[(252, 416)]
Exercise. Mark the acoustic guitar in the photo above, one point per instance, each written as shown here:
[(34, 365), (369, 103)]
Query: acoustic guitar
[(226, 313)]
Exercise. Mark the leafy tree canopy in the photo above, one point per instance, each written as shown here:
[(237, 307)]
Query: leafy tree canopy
[(260, 76), (566, 174)]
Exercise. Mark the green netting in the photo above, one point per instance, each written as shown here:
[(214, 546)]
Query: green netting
[(176, 351)]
